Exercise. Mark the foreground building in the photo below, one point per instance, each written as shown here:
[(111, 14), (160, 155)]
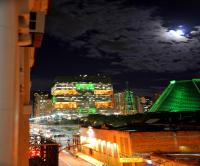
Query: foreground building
[(83, 95), (22, 28), (135, 148)]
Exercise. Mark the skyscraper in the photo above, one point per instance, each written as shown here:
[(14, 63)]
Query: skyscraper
[(83, 95), (125, 102), (42, 104)]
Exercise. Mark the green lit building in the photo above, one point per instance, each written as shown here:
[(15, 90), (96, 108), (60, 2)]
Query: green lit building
[(179, 96), (83, 94)]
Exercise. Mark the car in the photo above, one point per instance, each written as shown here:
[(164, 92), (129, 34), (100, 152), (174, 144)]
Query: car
[(59, 137)]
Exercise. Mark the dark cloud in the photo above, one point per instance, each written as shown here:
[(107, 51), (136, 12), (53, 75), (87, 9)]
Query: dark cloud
[(130, 40), (134, 34)]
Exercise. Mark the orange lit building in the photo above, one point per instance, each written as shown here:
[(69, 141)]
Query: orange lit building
[(83, 95), (131, 148)]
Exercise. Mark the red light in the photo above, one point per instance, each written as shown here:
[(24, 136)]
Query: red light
[(34, 153), (37, 153)]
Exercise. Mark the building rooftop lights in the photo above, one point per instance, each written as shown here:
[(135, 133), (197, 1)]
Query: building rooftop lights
[(172, 82)]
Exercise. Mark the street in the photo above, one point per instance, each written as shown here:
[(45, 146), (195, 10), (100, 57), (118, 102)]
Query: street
[(66, 159)]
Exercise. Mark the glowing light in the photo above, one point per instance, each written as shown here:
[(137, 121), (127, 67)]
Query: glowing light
[(104, 92), (87, 110), (184, 148), (148, 161), (53, 116), (117, 113), (85, 86), (93, 141), (60, 114), (90, 132), (65, 105), (172, 82), (103, 104)]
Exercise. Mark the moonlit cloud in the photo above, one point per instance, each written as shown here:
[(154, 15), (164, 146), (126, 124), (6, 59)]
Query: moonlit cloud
[(130, 34)]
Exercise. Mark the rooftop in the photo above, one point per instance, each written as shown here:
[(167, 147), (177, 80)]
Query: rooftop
[(179, 96), (159, 121)]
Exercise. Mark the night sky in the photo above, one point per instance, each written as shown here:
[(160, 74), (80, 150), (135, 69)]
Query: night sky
[(130, 40)]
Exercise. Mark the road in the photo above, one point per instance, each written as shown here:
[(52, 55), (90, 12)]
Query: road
[(66, 159), (61, 134)]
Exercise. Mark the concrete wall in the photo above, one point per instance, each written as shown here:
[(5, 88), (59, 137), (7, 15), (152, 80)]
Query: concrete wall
[(9, 83)]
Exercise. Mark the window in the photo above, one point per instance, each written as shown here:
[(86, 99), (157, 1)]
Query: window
[(32, 16), (32, 24)]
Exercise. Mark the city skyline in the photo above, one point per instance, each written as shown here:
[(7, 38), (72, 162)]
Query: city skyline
[(145, 43)]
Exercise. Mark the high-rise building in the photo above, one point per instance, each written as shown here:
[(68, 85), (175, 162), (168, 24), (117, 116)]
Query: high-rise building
[(138, 104), (125, 102), (83, 95), (119, 102), (143, 103), (148, 103), (42, 104)]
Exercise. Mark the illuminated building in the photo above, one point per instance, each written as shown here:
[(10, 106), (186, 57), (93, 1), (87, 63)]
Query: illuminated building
[(143, 103), (129, 147), (42, 104), (125, 102), (179, 96), (18, 40), (83, 95), (147, 103), (119, 102), (139, 105)]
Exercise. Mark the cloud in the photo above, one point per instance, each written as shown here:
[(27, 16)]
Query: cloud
[(132, 34)]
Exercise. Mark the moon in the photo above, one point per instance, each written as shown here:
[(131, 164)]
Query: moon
[(177, 33)]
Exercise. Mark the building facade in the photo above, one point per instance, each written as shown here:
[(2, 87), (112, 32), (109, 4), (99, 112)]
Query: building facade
[(83, 95), (143, 103), (18, 40)]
